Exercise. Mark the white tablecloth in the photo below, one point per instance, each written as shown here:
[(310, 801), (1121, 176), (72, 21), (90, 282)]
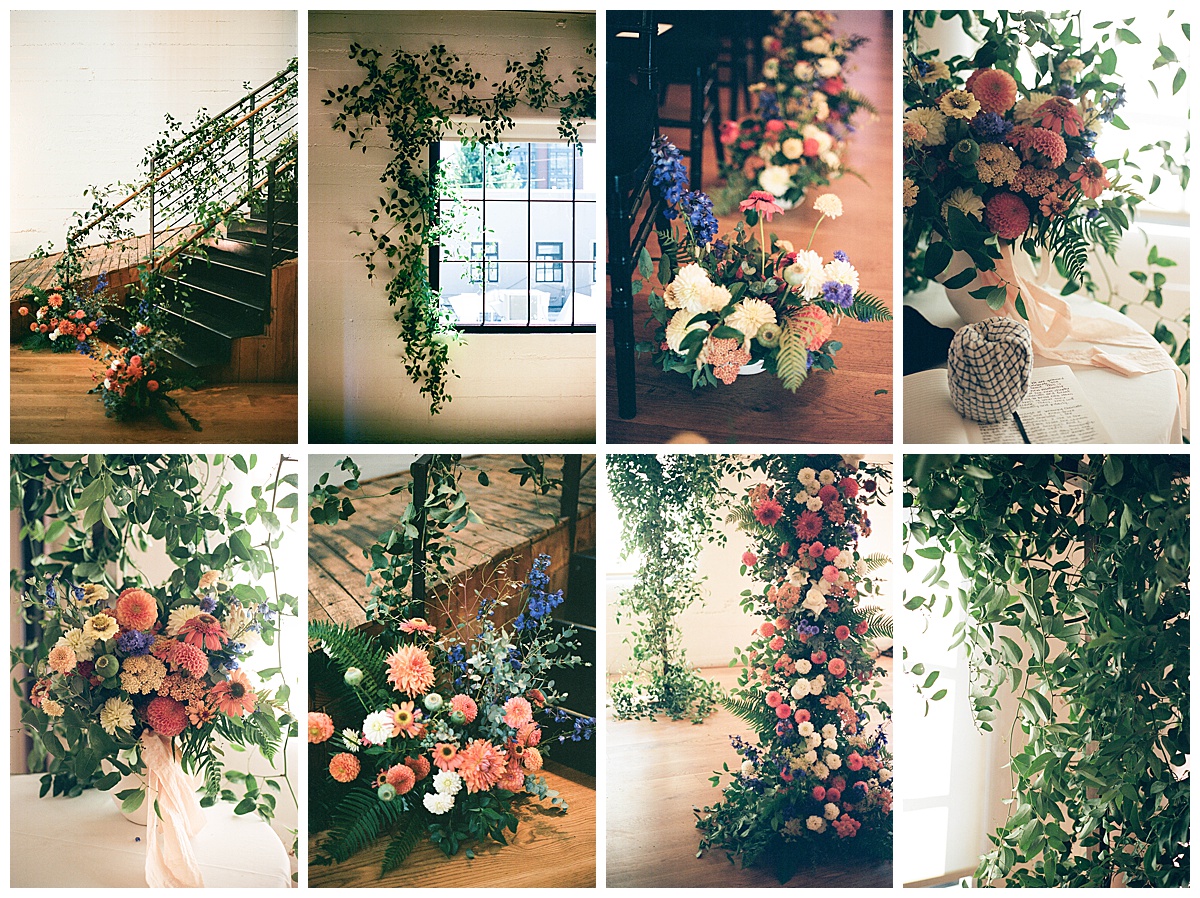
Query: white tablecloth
[(1142, 409), (86, 842)]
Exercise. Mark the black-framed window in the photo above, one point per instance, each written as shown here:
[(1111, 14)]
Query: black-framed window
[(488, 251), (549, 268), (521, 243)]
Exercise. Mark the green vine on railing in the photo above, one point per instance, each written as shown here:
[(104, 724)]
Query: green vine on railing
[(416, 100)]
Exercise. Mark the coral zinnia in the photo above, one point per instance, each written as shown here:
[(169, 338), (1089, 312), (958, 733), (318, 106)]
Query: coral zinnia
[(234, 697), (410, 670), (808, 525), (1060, 114), (344, 767), (768, 512), (167, 716), (137, 610), (204, 631), (1006, 216), (466, 706), (481, 764), (761, 202), (1092, 177), (837, 667), (995, 90), (320, 727)]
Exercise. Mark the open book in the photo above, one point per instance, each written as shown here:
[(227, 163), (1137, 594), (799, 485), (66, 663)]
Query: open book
[(1053, 411)]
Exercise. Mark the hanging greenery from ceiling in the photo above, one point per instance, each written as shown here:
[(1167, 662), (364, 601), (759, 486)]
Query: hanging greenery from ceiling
[(1076, 600), (417, 100)]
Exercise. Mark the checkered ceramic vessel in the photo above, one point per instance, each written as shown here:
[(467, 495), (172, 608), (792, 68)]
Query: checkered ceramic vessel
[(990, 364)]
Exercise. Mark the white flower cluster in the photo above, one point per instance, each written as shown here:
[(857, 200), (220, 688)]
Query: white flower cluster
[(446, 785)]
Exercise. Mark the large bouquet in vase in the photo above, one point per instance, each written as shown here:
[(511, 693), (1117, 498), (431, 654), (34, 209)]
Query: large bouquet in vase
[(796, 137), (749, 301), (447, 730), (818, 781), (122, 677)]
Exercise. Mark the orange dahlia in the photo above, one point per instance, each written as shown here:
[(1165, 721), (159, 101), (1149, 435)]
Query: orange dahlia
[(166, 716), (234, 697), (517, 712), (812, 324), (181, 655), (420, 766), (1006, 216), (466, 705), (410, 670), (344, 767), (532, 759), (995, 90), (481, 765), (137, 610), (320, 727), (402, 778)]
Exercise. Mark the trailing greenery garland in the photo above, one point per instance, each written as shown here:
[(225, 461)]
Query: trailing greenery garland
[(418, 99), (669, 506), (1084, 560)]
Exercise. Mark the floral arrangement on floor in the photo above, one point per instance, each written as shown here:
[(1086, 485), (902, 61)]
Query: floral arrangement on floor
[(748, 298), (61, 321), (441, 734), (796, 138), (817, 782), (137, 378), (1001, 149), (118, 670)]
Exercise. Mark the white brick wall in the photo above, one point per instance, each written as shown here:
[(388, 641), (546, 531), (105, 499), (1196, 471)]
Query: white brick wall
[(514, 387), (89, 91)]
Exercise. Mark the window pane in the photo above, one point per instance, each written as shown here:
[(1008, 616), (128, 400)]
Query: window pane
[(508, 225), (462, 165), (552, 224), (460, 294), (508, 170), (518, 305), (465, 222), (585, 232), (586, 297)]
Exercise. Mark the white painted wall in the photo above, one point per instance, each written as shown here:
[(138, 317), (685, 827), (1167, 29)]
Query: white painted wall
[(510, 387), (712, 630), (89, 91)]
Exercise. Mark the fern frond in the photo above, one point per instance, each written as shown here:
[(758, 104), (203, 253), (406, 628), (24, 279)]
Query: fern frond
[(791, 366), (854, 96), (404, 840), (879, 624), (876, 561), (760, 717), (357, 822), (743, 518), (867, 307), (349, 648)]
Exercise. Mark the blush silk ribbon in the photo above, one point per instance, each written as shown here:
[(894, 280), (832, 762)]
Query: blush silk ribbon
[(1068, 335), (170, 860)]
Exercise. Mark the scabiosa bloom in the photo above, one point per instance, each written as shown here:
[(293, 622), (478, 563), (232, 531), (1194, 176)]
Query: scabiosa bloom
[(137, 610), (204, 631), (768, 511), (320, 727), (166, 716), (344, 767), (410, 670), (480, 764), (234, 697), (838, 294), (208, 604)]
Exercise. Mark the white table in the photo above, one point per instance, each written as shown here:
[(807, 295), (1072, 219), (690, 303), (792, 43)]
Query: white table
[(86, 842), (1141, 409)]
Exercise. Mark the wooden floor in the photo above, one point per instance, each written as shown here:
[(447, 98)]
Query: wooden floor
[(551, 849), (49, 403), (657, 773), (843, 406), (517, 525)]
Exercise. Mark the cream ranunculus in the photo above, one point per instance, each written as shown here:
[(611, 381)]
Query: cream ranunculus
[(817, 46), (750, 315), (804, 71), (827, 67), (793, 148), (771, 69), (814, 604), (678, 328), (775, 179)]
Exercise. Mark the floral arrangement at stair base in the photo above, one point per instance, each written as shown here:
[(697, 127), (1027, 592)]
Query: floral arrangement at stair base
[(1000, 154), (441, 735), (61, 321), (136, 380), (816, 784), (746, 299), (796, 138)]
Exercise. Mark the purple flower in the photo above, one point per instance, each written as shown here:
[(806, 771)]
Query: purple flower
[(208, 604), (838, 293), (990, 126), (135, 642), (841, 256), (669, 173)]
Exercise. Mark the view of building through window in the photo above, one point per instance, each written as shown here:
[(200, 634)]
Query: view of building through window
[(523, 248)]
